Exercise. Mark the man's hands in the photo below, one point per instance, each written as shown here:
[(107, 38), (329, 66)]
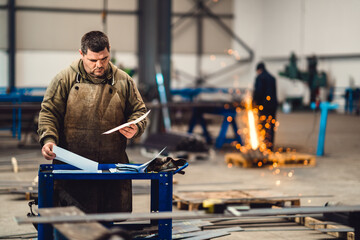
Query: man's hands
[(47, 151), (130, 131)]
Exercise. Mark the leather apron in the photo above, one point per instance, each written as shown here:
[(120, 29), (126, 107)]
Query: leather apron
[(91, 110)]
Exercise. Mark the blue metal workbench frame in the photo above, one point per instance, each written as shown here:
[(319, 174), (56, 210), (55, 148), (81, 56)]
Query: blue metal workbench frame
[(161, 192), (17, 97), (189, 94), (198, 117)]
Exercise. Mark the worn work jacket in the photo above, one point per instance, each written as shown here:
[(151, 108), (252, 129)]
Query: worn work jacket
[(74, 114), (265, 93)]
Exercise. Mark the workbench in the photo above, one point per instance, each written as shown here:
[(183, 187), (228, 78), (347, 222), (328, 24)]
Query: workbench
[(225, 109), (161, 191), (32, 97)]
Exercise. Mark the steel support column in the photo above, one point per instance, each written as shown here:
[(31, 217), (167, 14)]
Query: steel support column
[(147, 44), (164, 42), (154, 49), (199, 44), (154, 43), (11, 44)]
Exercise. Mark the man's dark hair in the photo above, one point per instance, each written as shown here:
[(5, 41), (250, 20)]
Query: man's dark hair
[(96, 41), (260, 66)]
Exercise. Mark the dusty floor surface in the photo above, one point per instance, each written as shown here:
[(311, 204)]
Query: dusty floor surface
[(335, 178)]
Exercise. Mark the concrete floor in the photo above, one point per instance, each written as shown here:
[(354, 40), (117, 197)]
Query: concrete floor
[(335, 177)]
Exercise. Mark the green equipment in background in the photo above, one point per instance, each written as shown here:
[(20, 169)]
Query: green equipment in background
[(312, 77)]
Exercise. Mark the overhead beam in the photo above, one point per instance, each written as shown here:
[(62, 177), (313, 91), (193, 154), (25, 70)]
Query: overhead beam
[(75, 10)]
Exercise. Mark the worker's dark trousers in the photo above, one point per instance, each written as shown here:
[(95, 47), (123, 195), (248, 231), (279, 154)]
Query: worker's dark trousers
[(268, 125)]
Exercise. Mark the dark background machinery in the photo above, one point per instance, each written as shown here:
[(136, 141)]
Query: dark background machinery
[(314, 78)]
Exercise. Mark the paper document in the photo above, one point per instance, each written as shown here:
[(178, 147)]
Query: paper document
[(128, 124), (74, 159)]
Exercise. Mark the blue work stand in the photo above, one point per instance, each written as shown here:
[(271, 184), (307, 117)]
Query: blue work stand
[(161, 192), (17, 98), (198, 117)]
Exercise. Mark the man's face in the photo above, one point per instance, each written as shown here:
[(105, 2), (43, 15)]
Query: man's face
[(96, 63)]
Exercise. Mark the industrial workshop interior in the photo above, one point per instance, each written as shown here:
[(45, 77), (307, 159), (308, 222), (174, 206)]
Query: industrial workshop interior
[(179, 119)]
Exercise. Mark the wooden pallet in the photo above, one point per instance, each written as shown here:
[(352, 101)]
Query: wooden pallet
[(331, 228), (286, 159), (193, 200)]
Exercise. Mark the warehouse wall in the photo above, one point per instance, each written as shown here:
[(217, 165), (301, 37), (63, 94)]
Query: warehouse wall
[(3, 68), (306, 27), (184, 33), (216, 43), (48, 42), (322, 27), (38, 30), (275, 28)]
